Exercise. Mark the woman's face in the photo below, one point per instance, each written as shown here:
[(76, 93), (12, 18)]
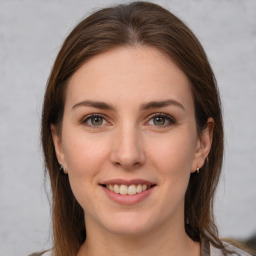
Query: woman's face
[(129, 126)]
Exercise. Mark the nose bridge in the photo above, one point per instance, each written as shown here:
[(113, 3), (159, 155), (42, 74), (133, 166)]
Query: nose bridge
[(127, 148)]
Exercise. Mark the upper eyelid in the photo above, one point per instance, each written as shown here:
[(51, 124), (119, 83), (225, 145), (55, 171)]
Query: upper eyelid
[(162, 115), (86, 117)]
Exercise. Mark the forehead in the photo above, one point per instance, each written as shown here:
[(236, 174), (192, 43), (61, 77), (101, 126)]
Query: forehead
[(129, 73)]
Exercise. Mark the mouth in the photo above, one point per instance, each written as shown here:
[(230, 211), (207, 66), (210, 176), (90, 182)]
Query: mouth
[(131, 189)]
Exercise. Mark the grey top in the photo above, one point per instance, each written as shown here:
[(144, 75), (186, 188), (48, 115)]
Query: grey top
[(207, 249)]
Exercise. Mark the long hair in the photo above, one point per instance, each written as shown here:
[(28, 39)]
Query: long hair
[(145, 24)]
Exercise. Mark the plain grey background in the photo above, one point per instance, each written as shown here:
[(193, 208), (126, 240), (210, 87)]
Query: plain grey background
[(31, 33)]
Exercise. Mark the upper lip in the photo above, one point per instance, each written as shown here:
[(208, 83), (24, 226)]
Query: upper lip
[(127, 182)]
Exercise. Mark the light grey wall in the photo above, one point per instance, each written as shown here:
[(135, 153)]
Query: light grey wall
[(31, 33)]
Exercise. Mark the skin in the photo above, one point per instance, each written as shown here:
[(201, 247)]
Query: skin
[(129, 142)]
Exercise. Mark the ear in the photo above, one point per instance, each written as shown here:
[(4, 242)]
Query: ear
[(56, 137), (203, 146)]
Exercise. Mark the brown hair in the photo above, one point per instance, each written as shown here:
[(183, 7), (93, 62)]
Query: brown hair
[(138, 23)]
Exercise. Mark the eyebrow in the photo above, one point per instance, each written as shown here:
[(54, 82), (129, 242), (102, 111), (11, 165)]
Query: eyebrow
[(94, 104), (146, 106), (161, 104)]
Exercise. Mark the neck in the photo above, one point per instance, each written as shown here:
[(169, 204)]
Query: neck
[(157, 242)]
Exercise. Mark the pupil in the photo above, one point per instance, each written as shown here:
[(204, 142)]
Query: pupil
[(159, 121), (97, 120)]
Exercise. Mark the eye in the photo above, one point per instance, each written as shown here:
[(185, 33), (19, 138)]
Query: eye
[(162, 120), (94, 120)]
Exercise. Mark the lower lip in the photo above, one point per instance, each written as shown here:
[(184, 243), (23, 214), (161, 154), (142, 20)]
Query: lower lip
[(128, 199)]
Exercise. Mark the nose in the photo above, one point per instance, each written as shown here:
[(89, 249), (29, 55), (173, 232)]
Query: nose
[(127, 149)]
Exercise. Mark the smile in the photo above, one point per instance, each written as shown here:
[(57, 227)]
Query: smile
[(132, 189), (128, 192)]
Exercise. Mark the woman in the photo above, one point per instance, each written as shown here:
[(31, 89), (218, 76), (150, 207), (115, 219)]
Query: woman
[(133, 138)]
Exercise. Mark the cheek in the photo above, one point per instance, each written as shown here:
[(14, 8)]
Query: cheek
[(171, 158), (174, 153), (84, 154)]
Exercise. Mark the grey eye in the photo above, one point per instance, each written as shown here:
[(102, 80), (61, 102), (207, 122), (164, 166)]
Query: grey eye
[(159, 120), (95, 120)]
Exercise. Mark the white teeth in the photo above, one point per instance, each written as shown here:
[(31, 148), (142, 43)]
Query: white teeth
[(123, 190), (128, 190), (132, 190), (139, 188), (116, 188)]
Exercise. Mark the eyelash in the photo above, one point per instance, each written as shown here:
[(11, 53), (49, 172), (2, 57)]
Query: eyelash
[(167, 117), (90, 117)]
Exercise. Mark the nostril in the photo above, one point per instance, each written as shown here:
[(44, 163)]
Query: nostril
[(128, 154)]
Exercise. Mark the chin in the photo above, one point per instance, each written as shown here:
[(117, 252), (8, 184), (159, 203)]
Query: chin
[(127, 224), (128, 229)]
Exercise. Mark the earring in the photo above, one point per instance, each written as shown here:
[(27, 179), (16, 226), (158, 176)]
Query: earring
[(62, 169), (197, 170)]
